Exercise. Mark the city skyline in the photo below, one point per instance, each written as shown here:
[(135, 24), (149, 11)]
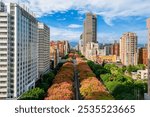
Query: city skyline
[(34, 66), (114, 18)]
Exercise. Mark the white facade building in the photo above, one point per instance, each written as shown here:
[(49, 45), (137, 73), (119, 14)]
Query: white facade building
[(140, 74), (92, 49), (18, 50)]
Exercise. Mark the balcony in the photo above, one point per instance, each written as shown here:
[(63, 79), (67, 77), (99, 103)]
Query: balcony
[(3, 19), (3, 96), (3, 79), (3, 25), (3, 57), (4, 36), (4, 75), (3, 47), (3, 63), (3, 41), (3, 84), (3, 30), (3, 90), (3, 52), (3, 68)]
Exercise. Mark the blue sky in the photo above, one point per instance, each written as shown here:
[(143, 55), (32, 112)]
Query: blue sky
[(115, 17)]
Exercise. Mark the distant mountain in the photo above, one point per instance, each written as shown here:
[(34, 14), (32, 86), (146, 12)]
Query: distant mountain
[(73, 44), (140, 45)]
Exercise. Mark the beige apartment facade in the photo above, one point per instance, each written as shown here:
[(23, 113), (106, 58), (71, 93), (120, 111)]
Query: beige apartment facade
[(128, 49)]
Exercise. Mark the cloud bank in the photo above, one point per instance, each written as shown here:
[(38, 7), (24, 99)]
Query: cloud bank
[(108, 9)]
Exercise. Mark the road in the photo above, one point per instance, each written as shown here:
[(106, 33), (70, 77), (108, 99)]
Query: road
[(76, 82)]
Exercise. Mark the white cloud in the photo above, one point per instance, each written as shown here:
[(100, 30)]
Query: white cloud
[(64, 34), (74, 26), (109, 9)]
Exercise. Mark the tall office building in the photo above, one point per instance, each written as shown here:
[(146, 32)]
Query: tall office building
[(18, 50), (43, 48), (128, 49), (90, 30), (148, 26)]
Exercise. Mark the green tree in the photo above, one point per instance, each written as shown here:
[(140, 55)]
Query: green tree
[(46, 81), (33, 94)]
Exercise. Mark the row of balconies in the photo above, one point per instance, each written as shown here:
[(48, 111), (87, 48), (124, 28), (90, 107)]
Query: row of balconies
[(3, 52), (4, 35), (3, 30), (3, 73), (3, 68), (3, 19), (3, 90), (3, 24), (3, 84), (3, 79), (3, 40), (3, 96)]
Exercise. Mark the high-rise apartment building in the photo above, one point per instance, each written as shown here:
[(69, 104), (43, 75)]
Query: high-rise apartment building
[(148, 26), (18, 50), (90, 30), (4, 51), (128, 49), (43, 48)]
